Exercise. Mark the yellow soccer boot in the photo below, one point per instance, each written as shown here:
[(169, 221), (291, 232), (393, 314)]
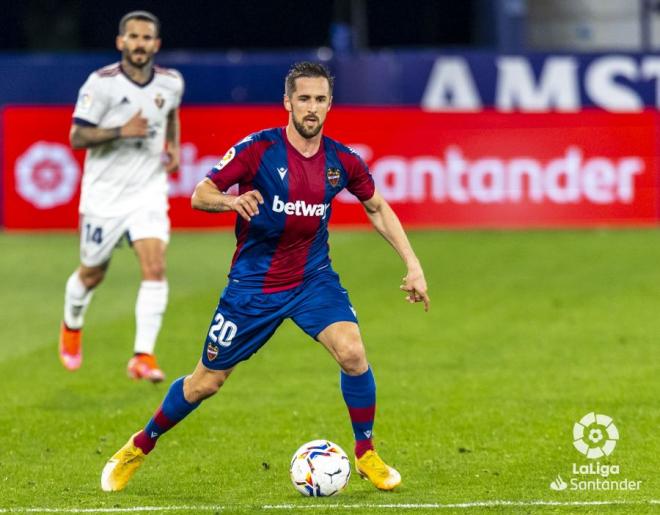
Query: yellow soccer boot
[(372, 467), (120, 468)]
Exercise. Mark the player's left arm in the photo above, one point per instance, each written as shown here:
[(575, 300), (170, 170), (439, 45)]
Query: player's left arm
[(386, 222), (172, 141)]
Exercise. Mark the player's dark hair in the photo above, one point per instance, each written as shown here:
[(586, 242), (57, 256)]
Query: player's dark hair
[(306, 69), (139, 15)]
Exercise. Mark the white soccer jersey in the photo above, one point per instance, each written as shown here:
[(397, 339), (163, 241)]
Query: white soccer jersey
[(125, 174)]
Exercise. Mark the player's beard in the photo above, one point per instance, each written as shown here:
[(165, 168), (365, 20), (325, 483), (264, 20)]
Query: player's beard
[(307, 133), (128, 56)]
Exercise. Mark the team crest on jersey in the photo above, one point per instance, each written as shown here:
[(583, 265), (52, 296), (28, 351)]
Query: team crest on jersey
[(160, 101), (225, 159), (212, 351), (333, 175)]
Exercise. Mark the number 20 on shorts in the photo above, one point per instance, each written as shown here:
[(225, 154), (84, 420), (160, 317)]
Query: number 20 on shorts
[(223, 331)]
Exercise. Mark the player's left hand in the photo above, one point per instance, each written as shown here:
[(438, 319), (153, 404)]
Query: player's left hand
[(171, 158), (414, 284)]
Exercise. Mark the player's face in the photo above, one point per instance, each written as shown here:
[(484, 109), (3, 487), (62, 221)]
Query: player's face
[(309, 105), (139, 42)]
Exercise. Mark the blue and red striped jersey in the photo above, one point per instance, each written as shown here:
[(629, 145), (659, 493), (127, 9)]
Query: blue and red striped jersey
[(287, 242)]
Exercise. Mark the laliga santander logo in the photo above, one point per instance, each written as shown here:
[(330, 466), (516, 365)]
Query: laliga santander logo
[(47, 175), (595, 435)]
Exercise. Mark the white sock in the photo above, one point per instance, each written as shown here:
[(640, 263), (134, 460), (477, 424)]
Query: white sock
[(149, 310), (76, 300)]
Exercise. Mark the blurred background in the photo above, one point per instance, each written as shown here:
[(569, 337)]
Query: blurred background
[(473, 113), (344, 25)]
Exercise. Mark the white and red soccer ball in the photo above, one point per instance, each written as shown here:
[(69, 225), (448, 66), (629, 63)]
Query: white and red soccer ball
[(320, 468)]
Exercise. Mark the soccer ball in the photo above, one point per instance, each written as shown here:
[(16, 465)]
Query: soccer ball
[(320, 468)]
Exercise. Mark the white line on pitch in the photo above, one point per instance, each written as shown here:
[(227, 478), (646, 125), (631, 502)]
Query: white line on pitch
[(438, 506), (400, 506), (134, 509)]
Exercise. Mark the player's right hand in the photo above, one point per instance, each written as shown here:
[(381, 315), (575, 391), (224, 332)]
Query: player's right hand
[(247, 204), (136, 127)]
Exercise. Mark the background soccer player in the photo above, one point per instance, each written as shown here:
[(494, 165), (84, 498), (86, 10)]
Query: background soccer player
[(127, 119), (281, 269)]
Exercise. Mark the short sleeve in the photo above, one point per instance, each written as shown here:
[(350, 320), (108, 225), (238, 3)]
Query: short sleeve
[(180, 88), (360, 182), (239, 164), (92, 102)]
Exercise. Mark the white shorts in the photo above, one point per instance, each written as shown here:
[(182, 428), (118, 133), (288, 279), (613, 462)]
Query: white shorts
[(99, 236)]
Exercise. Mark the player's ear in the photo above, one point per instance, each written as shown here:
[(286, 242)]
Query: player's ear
[(157, 45), (329, 103), (287, 103), (119, 42)]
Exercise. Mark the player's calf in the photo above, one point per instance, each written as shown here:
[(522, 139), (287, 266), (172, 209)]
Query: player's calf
[(204, 383)]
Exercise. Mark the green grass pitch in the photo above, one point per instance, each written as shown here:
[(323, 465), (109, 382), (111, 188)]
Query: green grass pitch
[(528, 332)]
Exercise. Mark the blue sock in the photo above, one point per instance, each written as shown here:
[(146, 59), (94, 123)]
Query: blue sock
[(360, 396), (174, 408)]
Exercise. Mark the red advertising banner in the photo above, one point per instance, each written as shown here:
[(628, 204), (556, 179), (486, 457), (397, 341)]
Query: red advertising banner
[(437, 170)]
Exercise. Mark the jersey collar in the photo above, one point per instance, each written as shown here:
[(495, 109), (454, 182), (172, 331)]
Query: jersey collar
[(319, 152), (151, 78)]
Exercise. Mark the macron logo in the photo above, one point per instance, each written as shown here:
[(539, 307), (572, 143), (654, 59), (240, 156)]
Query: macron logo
[(299, 208)]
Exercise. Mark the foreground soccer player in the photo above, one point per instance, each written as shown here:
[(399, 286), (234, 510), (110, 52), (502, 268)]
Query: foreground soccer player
[(281, 269), (126, 115)]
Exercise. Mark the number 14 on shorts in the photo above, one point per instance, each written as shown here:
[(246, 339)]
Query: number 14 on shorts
[(93, 234)]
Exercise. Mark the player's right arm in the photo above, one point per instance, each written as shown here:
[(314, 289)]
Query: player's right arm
[(94, 102), (207, 197), (85, 136), (238, 166)]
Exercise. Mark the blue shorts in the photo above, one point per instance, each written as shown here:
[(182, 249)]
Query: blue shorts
[(244, 321)]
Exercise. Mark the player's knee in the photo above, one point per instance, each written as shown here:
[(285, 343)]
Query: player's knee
[(352, 358), (91, 277)]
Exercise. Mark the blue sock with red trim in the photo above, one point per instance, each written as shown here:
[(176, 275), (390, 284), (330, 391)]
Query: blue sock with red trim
[(360, 396), (174, 408)]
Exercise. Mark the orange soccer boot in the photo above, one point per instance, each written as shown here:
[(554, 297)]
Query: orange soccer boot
[(70, 347), (144, 366)]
